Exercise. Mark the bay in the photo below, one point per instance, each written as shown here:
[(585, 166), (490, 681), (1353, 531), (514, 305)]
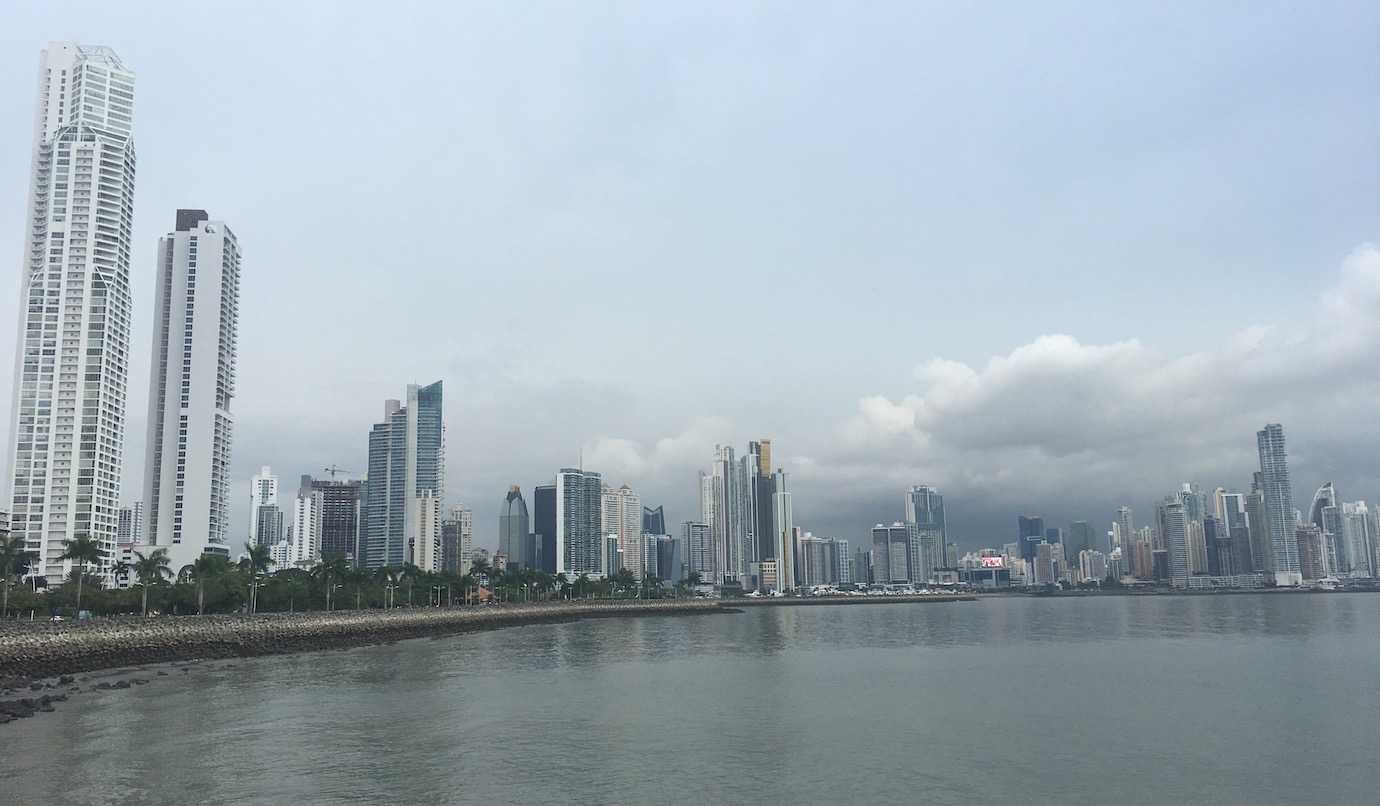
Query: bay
[(1137, 700)]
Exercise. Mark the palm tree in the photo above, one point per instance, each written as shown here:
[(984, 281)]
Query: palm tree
[(151, 570), (358, 578), (205, 567), (331, 570), (479, 567), (256, 560), (13, 560), (82, 551), (563, 582), (410, 573)]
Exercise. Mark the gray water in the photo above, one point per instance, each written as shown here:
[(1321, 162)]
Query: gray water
[(1231, 699)]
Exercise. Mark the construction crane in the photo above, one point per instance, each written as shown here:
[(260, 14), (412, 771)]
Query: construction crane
[(335, 470)]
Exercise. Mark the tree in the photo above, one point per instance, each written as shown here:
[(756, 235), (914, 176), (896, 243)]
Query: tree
[(82, 551), (410, 573), (14, 560), (358, 578), (332, 569), (256, 561), (206, 567), (151, 570)]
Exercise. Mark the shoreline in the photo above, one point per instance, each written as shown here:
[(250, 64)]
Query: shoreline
[(36, 650)]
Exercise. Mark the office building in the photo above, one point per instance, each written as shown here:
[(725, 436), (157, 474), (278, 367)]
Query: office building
[(191, 386), (270, 525), (1175, 530), (1309, 546), (1257, 526), (1082, 537), (1359, 536), (722, 506), (1279, 505), (341, 516), (579, 537), (891, 553), (406, 463), (514, 529), (67, 418), (1092, 565), (764, 499)]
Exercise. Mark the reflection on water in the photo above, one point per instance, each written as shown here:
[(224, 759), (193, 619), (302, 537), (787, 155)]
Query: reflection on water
[(1261, 699)]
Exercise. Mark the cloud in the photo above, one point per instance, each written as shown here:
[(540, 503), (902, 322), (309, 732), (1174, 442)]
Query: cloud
[(1073, 426)]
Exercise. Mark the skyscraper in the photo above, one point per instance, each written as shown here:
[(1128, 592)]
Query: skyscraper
[(67, 427), (1359, 536), (1030, 532), (340, 510), (699, 550), (305, 535), (764, 499), (544, 527), (621, 515), (721, 506), (891, 553), (783, 532), (1257, 525), (1279, 504), (263, 491), (1082, 538), (269, 527), (192, 383), (925, 520), (514, 530), (1176, 541), (131, 528), (579, 547), (654, 520), (406, 462), (457, 541), (1326, 515)]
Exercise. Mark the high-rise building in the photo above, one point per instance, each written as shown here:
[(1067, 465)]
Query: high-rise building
[(925, 520), (1259, 530), (424, 543), (1233, 508), (722, 505), (1327, 516), (1175, 530), (67, 426), (341, 518), (1082, 537), (1030, 532), (1279, 504), (764, 499), (406, 462), (891, 552), (514, 529), (263, 491), (699, 550), (1359, 536), (131, 527), (1092, 565), (1309, 546), (579, 540), (457, 541), (192, 383), (305, 534), (783, 531), (544, 527), (621, 515), (1126, 527), (269, 527), (654, 520)]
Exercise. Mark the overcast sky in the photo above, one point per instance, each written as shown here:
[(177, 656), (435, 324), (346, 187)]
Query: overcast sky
[(1052, 258)]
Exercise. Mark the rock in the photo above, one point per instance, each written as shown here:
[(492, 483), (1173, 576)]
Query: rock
[(122, 684), (141, 681), (102, 686), (65, 679), (162, 674), (35, 687)]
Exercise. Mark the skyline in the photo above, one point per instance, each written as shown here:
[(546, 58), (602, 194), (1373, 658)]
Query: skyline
[(854, 425)]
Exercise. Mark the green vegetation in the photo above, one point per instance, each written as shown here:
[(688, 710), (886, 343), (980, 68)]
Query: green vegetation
[(215, 585)]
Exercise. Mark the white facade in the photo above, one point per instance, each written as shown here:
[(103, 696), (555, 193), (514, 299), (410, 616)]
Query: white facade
[(131, 526), (425, 541), (191, 385), (263, 491), (306, 529), (621, 517), (67, 426)]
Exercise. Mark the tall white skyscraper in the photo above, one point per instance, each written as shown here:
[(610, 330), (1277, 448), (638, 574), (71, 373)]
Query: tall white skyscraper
[(578, 527), (263, 492), (190, 428), (67, 427), (783, 526)]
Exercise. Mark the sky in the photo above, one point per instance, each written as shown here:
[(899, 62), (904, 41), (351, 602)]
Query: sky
[(1050, 257)]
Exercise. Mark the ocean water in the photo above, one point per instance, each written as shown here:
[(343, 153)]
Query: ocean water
[(1258, 699)]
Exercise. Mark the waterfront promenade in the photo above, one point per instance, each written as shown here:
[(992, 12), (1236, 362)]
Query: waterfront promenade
[(41, 649)]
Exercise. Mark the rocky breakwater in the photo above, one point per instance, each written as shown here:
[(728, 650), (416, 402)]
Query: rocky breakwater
[(39, 650)]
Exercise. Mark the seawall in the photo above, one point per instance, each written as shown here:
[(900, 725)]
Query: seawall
[(35, 650), (791, 601)]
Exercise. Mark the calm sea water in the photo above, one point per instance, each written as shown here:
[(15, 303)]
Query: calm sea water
[(1232, 699)]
